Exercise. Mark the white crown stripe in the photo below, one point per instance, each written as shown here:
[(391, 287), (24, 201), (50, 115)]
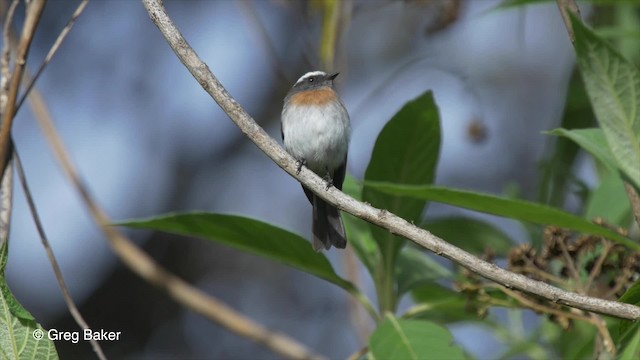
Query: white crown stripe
[(310, 74)]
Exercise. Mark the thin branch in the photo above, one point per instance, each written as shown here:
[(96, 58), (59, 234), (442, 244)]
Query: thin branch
[(566, 7), (634, 199), (143, 265), (73, 309), (6, 186), (595, 271), (568, 261), (541, 274), (53, 50), (383, 218), (5, 61), (358, 354), (6, 198), (592, 319), (34, 11)]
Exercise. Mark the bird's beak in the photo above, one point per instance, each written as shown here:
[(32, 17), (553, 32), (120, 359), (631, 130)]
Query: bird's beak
[(333, 76)]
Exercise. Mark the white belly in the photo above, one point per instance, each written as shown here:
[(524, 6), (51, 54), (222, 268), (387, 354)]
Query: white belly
[(317, 134)]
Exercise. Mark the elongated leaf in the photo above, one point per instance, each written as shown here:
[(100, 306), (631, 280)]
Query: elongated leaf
[(472, 235), (609, 201), (21, 339), (19, 331), (358, 231), (248, 235), (510, 208), (397, 339), (406, 152), (591, 140), (507, 4), (414, 267), (557, 169), (440, 304), (613, 85), (631, 296), (632, 350)]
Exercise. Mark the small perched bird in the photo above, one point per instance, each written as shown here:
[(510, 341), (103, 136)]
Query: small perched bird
[(315, 131)]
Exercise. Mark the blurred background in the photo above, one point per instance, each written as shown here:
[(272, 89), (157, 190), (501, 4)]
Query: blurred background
[(148, 140)]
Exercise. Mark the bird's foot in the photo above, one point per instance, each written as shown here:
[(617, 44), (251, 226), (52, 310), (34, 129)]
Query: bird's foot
[(299, 164), (329, 181)]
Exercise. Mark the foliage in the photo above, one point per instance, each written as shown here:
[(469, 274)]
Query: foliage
[(18, 328), (594, 258)]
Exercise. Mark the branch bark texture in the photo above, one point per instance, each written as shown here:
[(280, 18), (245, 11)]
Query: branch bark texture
[(383, 218), (34, 11)]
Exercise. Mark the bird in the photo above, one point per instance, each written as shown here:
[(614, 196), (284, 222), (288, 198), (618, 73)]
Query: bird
[(316, 129)]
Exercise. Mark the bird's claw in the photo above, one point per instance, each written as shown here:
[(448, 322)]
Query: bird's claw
[(299, 165), (329, 181)]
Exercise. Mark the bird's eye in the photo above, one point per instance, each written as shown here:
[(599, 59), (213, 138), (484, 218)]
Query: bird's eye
[(311, 80)]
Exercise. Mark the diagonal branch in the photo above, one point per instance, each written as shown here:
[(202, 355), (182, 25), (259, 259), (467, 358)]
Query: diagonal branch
[(34, 11), (391, 222), (73, 309)]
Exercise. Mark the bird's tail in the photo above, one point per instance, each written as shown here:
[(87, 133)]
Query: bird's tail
[(327, 226)]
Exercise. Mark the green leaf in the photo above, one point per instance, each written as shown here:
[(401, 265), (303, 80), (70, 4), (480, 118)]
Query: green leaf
[(470, 234), (506, 4), (591, 140), (613, 85), (358, 230), (557, 169), (17, 327), (631, 296), (609, 201), (632, 350), (406, 152), (437, 303), (17, 341), (412, 340), (510, 208), (414, 267), (578, 343), (11, 304), (248, 235)]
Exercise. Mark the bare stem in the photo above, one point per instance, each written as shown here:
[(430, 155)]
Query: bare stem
[(634, 199), (73, 309), (566, 7), (34, 11)]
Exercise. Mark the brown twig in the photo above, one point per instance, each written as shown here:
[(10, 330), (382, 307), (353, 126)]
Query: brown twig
[(9, 38), (566, 7), (143, 265), (358, 354), (52, 51), (595, 271), (634, 199), (73, 309), (6, 55), (34, 11), (541, 274), (6, 198), (568, 261), (593, 319), (391, 222)]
